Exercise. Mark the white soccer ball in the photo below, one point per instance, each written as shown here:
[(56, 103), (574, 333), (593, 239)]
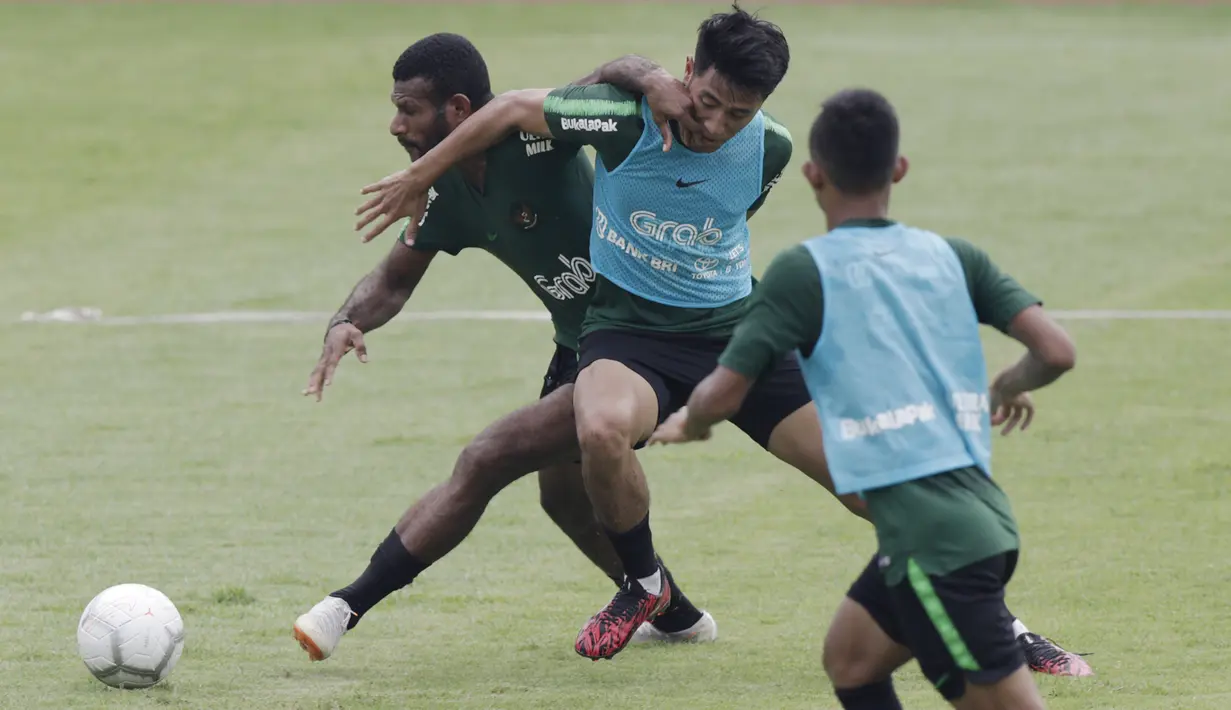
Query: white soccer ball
[(130, 636)]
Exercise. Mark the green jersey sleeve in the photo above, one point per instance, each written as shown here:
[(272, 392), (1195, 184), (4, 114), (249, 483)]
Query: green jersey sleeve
[(778, 148), (599, 115), (438, 230), (997, 296), (784, 314)]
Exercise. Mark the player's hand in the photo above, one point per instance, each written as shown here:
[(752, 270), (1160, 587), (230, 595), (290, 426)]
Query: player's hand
[(398, 196), (341, 339), (1011, 410), (669, 101), (679, 430)]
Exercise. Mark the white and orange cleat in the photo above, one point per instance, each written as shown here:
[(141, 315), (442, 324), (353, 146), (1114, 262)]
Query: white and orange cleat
[(321, 628)]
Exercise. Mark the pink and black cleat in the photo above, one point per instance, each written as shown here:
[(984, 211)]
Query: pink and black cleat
[(1046, 656), (610, 630)]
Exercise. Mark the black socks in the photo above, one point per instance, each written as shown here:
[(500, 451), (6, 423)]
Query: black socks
[(875, 696), (680, 614), (635, 549), (390, 569)]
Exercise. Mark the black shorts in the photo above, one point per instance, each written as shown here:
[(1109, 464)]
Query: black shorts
[(561, 371), (965, 631), (674, 364)]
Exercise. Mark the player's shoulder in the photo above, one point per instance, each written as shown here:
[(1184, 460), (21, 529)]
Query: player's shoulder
[(592, 101), (977, 265), (448, 207), (776, 131), (961, 246), (438, 228), (792, 265), (445, 191), (778, 143), (795, 257), (967, 251)]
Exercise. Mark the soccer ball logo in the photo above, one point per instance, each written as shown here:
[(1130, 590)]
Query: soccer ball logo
[(130, 636)]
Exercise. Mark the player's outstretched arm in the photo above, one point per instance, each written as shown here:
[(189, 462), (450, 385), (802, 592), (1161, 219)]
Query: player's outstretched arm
[(402, 194), (630, 72), (668, 98), (1049, 354), (375, 300), (382, 294), (717, 398)]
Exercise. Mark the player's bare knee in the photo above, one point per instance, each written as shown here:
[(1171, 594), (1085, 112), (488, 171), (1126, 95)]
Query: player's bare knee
[(846, 670), (603, 436), (478, 468), (850, 664), (838, 664)]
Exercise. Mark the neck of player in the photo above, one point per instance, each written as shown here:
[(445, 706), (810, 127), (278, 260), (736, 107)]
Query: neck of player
[(843, 208)]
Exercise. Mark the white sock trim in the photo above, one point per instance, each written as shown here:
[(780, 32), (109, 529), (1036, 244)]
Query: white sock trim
[(652, 584)]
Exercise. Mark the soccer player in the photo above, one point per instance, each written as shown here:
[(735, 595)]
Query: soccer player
[(670, 245), (885, 318), (526, 201), (670, 248)]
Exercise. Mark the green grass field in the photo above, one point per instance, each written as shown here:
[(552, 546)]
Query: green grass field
[(178, 159)]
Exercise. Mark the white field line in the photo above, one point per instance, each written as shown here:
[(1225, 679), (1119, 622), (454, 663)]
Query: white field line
[(1140, 315), (95, 317)]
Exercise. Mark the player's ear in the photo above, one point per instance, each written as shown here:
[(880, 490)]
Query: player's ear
[(815, 175), (456, 109), (900, 168), (688, 63)]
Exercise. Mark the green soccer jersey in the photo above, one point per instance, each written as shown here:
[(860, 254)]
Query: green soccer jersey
[(609, 119), (943, 522), (533, 214)]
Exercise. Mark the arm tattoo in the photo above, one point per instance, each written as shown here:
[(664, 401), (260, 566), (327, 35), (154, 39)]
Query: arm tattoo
[(628, 72), (375, 300)]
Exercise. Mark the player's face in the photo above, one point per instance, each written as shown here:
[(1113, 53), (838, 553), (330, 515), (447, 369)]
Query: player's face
[(419, 124), (721, 109)]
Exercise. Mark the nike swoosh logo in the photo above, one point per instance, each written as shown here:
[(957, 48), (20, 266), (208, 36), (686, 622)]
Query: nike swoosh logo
[(680, 182)]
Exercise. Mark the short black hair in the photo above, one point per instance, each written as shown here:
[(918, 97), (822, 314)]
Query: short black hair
[(450, 64), (855, 139), (749, 52)]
